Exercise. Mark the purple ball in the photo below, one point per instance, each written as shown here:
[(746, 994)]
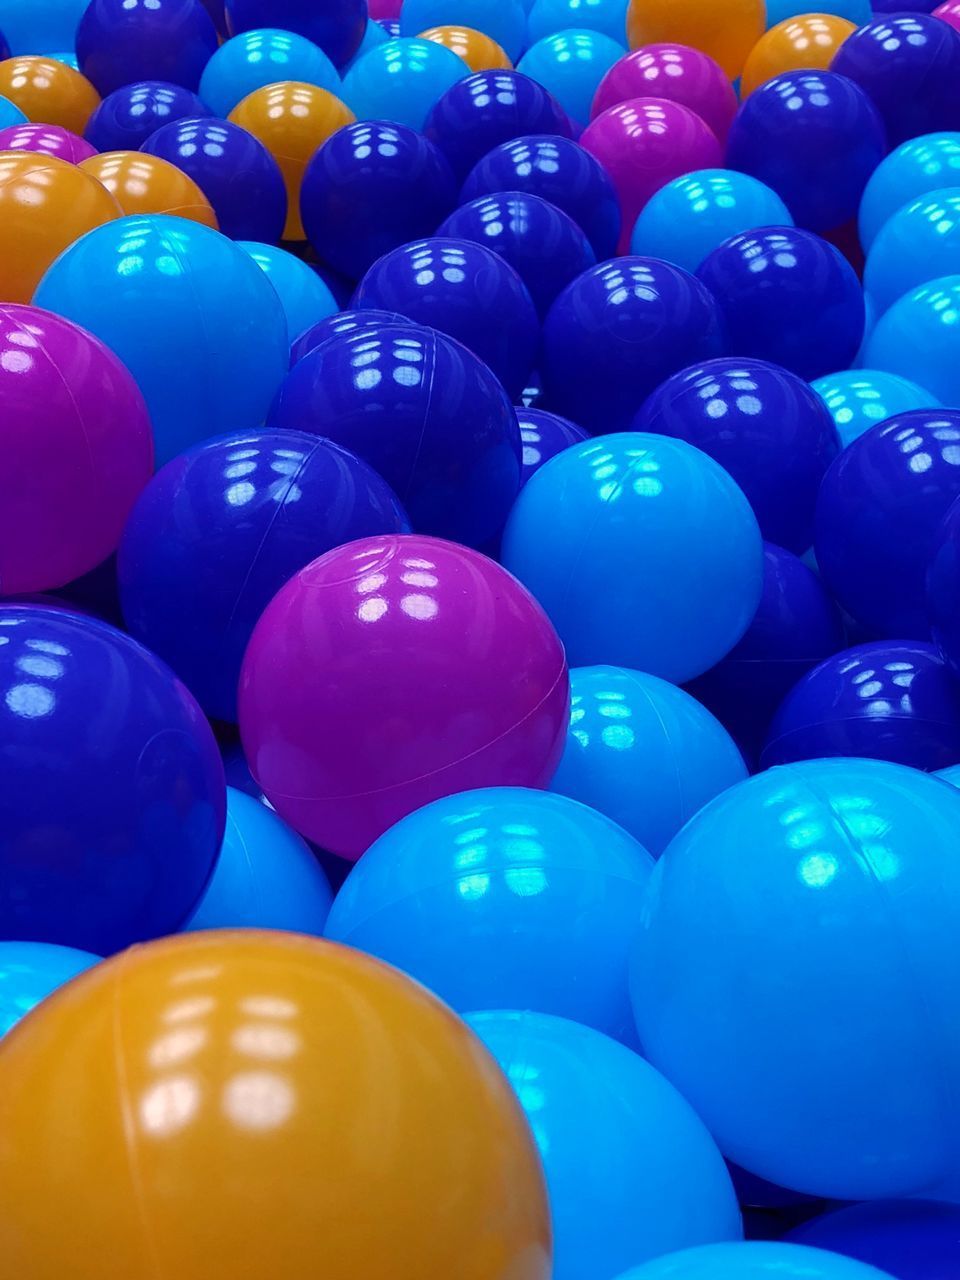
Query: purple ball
[(339, 323), (123, 41), (543, 436), (337, 26), (126, 118)]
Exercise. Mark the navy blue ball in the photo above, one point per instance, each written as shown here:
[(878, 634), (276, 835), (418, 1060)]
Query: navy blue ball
[(126, 118), (340, 322), (907, 1239), (123, 41), (543, 436), (337, 26), (943, 588)]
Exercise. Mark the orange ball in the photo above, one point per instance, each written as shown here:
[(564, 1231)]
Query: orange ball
[(806, 43), (48, 91), (478, 51), (292, 120), (224, 1105), (45, 204), (142, 183), (725, 29)]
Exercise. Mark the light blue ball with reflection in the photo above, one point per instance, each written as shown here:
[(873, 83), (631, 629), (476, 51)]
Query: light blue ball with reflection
[(304, 296), (919, 339), (860, 398), (928, 163), (256, 58), (502, 20), (690, 217), (69, 59), (504, 898), (755, 1260), (631, 1170), (36, 26), (31, 971), (571, 64), (401, 80), (549, 16), (920, 242), (857, 11), (10, 114)]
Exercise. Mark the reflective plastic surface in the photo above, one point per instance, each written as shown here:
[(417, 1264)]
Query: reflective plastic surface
[(804, 43), (544, 435), (48, 139), (209, 1080), (122, 41), (571, 65), (401, 80), (503, 898), (126, 118), (950, 13), (10, 114), (305, 298), (920, 243), (859, 399), (146, 184), (502, 20), (812, 1023), (911, 1239), (113, 839), (255, 59), (943, 588), (915, 168), (337, 26), (755, 1260), (391, 672), (217, 533), (48, 92), (675, 72), (477, 50), (917, 338), (725, 29), (51, 25), (31, 971), (548, 16), (856, 11), (341, 322)]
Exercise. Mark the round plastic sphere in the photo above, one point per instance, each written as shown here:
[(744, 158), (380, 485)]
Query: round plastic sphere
[(122, 41), (401, 80), (126, 118), (691, 216), (943, 588), (492, 107), (207, 344), (910, 1239), (373, 35), (46, 139), (558, 170), (31, 971), (69, 58), (143, 183), (914, 169), (644, 144), (304, 296), (370, 188), (804, 43), (725, 29), (856, 11), (643, 752), (917, 338), (789, 297), (909, 64), (651, 527), (547, 17), (764, 425), (337, 26), (426, 415), (536, 909), (755, 1260), (10, 115), (216, 12), (217, 533), (40, 25), (920, 243), (477, 50), (466, 291), (233, 169), (859, 399), (274, 1093), (620, 330), (341, 322), (254, 59), (677, 73), (949, 13), (503, 20), (820, 880), (571, 64), (48, 92), (544, 435), (878, 516), (601, 1115)]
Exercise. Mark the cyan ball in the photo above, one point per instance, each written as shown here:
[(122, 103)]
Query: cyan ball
[(305, 298), (755, 1260), (502, 20), (10, 114), (400, 81), (928, 163), (921, 242), (548, 16), (859, 399), (254, 59), (571, 64), (919, 338), (31, 971)]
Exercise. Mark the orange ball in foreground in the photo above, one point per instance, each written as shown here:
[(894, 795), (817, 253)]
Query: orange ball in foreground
[(725, 29), (48, 91), (142, 183), (292, 120), (478, 51), (224, 1106), (45, 204), (806, 43)]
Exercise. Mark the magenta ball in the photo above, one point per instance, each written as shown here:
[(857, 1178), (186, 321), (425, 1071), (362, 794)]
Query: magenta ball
[(675, 72), (75, 450), (394, 671), (644, 144), (48, 140)]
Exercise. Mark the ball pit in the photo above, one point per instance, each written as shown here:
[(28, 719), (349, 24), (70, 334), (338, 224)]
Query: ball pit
[(477, 50), (859, 399), (401, 80), (255, 59), (126, 118), (916, 339), (725, 29), (803, 43), (915, 168), (305, 298), (674, 72), (571, 64), (501, 20), (337, 26), (920, 243)]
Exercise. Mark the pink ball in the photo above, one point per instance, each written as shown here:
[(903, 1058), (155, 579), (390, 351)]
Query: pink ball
[(76, 449), (49, 139), (644, 144), (677, 73), (949, 12), (394, 671)]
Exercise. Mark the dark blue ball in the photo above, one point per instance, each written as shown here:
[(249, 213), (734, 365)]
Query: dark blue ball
[(216, 12), (337, 26), (943, 588), (126, 118), (123, 41), (789, 297), (4, 47), (906, 1239), (544, 435), (340, 322)]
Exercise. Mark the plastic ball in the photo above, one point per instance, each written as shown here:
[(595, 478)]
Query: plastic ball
[(304, 296), (943, 588), (789, 297), (691, 216), (501, 20), (503, 898), (917, 338), (374, 34), (920, 243), (254, 59), (677, 73), (878, 515), (146, 184), (337, 26), (120, 42), (10, 115), (233, 169), (31, 971), (949, 13), (400, 81), (208, 344), (126, 118), (604, 1117), (911, 1239), (644, 144), (217, 533), (755, 1260), (651, 528), (370, 188), (909, 64), (620, 330), (558, 170), (244, 1081), (466, 291), (341, 322), (40, 25), (69, 58), (48, 92), (571, 64), (804, 43), (856, 11), (546, 17), (543, 435), (725, 29), (46, 139), (859, 399), (477, 50), (914, 169)]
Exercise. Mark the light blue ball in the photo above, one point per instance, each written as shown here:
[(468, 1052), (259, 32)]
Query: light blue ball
[(858, 11), (921, 242), (256, 58), (192, 317), (549, 16), (34, 26), (693, 215), (643, 531), (571, 64), (70, 59), (951, 775), (503, 20), (373, 35), (31, 971), (919, 339), (927, 163), (643, 752), (304, 296), (266, 876), (756, 1260), (10, 114), (860, 398), (401, 80), (503, 898), (631, 1171)]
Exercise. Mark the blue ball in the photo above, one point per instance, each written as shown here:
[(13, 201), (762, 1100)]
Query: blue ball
[(604, 1118), (123, 41), (339, 323), (337, 26), (375, 33), (764, 425), (504, 898), (466, 291), (756, 1260), (911, 1239), (643, 752), (800, 935), (571, 64), (502, 20), (10, 114), (788, 296), (879, 514), (859, 399), (31, 971), (920, 243), (192, 316), (558, 170), (305, 298), (68, 59), (126, 118), (400, 81), (917, 339), (544, 245), (543, 435), (113, 839), (642, 529), (265, 877), (943, 588), (548, 16), (217, 533), (36, 26), (370, 188), (257, 58), (855, 11), (914, 169), (620, 330)]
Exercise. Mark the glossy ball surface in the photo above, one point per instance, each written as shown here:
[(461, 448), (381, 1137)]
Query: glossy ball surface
[(342, 322), (950, 13), (725, 29), (859, 399), (571, 65), (337, 26), (31, 971), (920, 243), (943, 588), (478, 51), (911, 1239), (254, 59), (502, 20), (917, 339), (675, 72), (10, 114), (35, 28), (126, 118), (142, 183), (544, 435), (914, 169), (48, 92), (46, 139), (545, 17), (122, 41), (305, 298), (400, 81), (755, 1260), (804, 43)]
